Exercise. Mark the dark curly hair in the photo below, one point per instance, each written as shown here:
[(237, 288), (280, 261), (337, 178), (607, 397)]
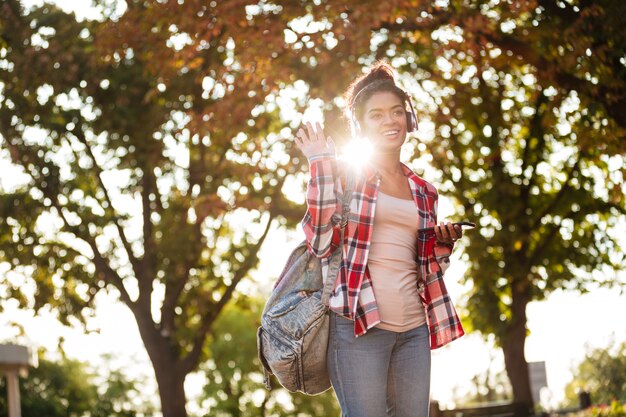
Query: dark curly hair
[(380, 77)]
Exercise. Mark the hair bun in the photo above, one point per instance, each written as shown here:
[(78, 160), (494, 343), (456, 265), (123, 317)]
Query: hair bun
[(380, 71)]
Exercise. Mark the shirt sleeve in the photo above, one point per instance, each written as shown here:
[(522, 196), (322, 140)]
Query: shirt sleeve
[(322, 235), (442, 251)]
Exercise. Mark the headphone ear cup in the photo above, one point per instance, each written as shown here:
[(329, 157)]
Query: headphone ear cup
[(411, 122)]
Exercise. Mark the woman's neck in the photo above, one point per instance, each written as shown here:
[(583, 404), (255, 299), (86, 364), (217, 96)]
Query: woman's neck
[(387, 163)]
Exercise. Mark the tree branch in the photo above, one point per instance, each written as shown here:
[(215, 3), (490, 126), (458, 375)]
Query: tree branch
[(133, 260), (109, 274), (614, 101), (147, 265), (173, 292), (565, 187), (564, 11), (546, 241), (191, 359), (535, 130), (439, 17)]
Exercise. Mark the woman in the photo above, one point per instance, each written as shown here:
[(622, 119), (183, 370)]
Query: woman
[(389, 306)]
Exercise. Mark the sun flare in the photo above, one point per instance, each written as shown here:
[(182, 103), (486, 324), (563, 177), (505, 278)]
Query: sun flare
[(356, 152)]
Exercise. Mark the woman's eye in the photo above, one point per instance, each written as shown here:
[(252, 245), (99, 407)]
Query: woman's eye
[(397, 113)]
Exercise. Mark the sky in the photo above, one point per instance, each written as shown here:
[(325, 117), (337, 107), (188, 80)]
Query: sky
[(561, 328)]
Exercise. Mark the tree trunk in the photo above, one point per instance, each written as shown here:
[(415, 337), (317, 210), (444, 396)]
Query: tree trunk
[(167, 367), (171, 390), (512, 343)]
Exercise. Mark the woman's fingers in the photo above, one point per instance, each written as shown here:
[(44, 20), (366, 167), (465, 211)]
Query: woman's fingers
[(311, 131), (320, 133), (311, 140), (299, 138), (458, 231), (331, 145), (302, 135), (438, 233), (448, 233), (445, 232)]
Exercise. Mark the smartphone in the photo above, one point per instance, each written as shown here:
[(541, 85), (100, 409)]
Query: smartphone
[(432, 229)]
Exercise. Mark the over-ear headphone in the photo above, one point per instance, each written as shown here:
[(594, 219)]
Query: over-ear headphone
[(411, 117)]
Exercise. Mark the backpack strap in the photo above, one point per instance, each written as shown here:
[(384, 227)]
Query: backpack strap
[(335, 260)]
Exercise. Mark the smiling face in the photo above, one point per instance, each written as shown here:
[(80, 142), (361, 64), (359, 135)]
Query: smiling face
[(384, 121)]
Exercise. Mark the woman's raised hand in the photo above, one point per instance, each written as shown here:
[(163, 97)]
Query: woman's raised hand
[(313, 142)]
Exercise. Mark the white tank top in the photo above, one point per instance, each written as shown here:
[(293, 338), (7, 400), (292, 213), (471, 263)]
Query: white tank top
[(393, 266)]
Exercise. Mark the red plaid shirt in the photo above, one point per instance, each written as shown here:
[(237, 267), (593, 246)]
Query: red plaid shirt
[(353, 295)]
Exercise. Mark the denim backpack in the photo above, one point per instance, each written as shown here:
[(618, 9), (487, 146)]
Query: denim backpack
[(293, 336)]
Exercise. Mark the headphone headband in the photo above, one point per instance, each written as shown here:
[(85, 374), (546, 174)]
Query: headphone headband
[(370, 86)]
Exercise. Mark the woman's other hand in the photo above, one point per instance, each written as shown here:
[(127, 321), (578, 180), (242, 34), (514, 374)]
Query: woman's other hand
[(448, 233), (313, 142)]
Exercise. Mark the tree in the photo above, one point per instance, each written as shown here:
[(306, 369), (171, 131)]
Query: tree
[(234, 374), (602, 373), (68, 387), (149, 175), (524, 158)]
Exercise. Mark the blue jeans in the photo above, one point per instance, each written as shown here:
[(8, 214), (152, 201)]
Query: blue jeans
[(381, 373)]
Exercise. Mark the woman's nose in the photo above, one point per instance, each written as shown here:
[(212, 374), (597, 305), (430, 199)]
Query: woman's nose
[(388, 119)]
